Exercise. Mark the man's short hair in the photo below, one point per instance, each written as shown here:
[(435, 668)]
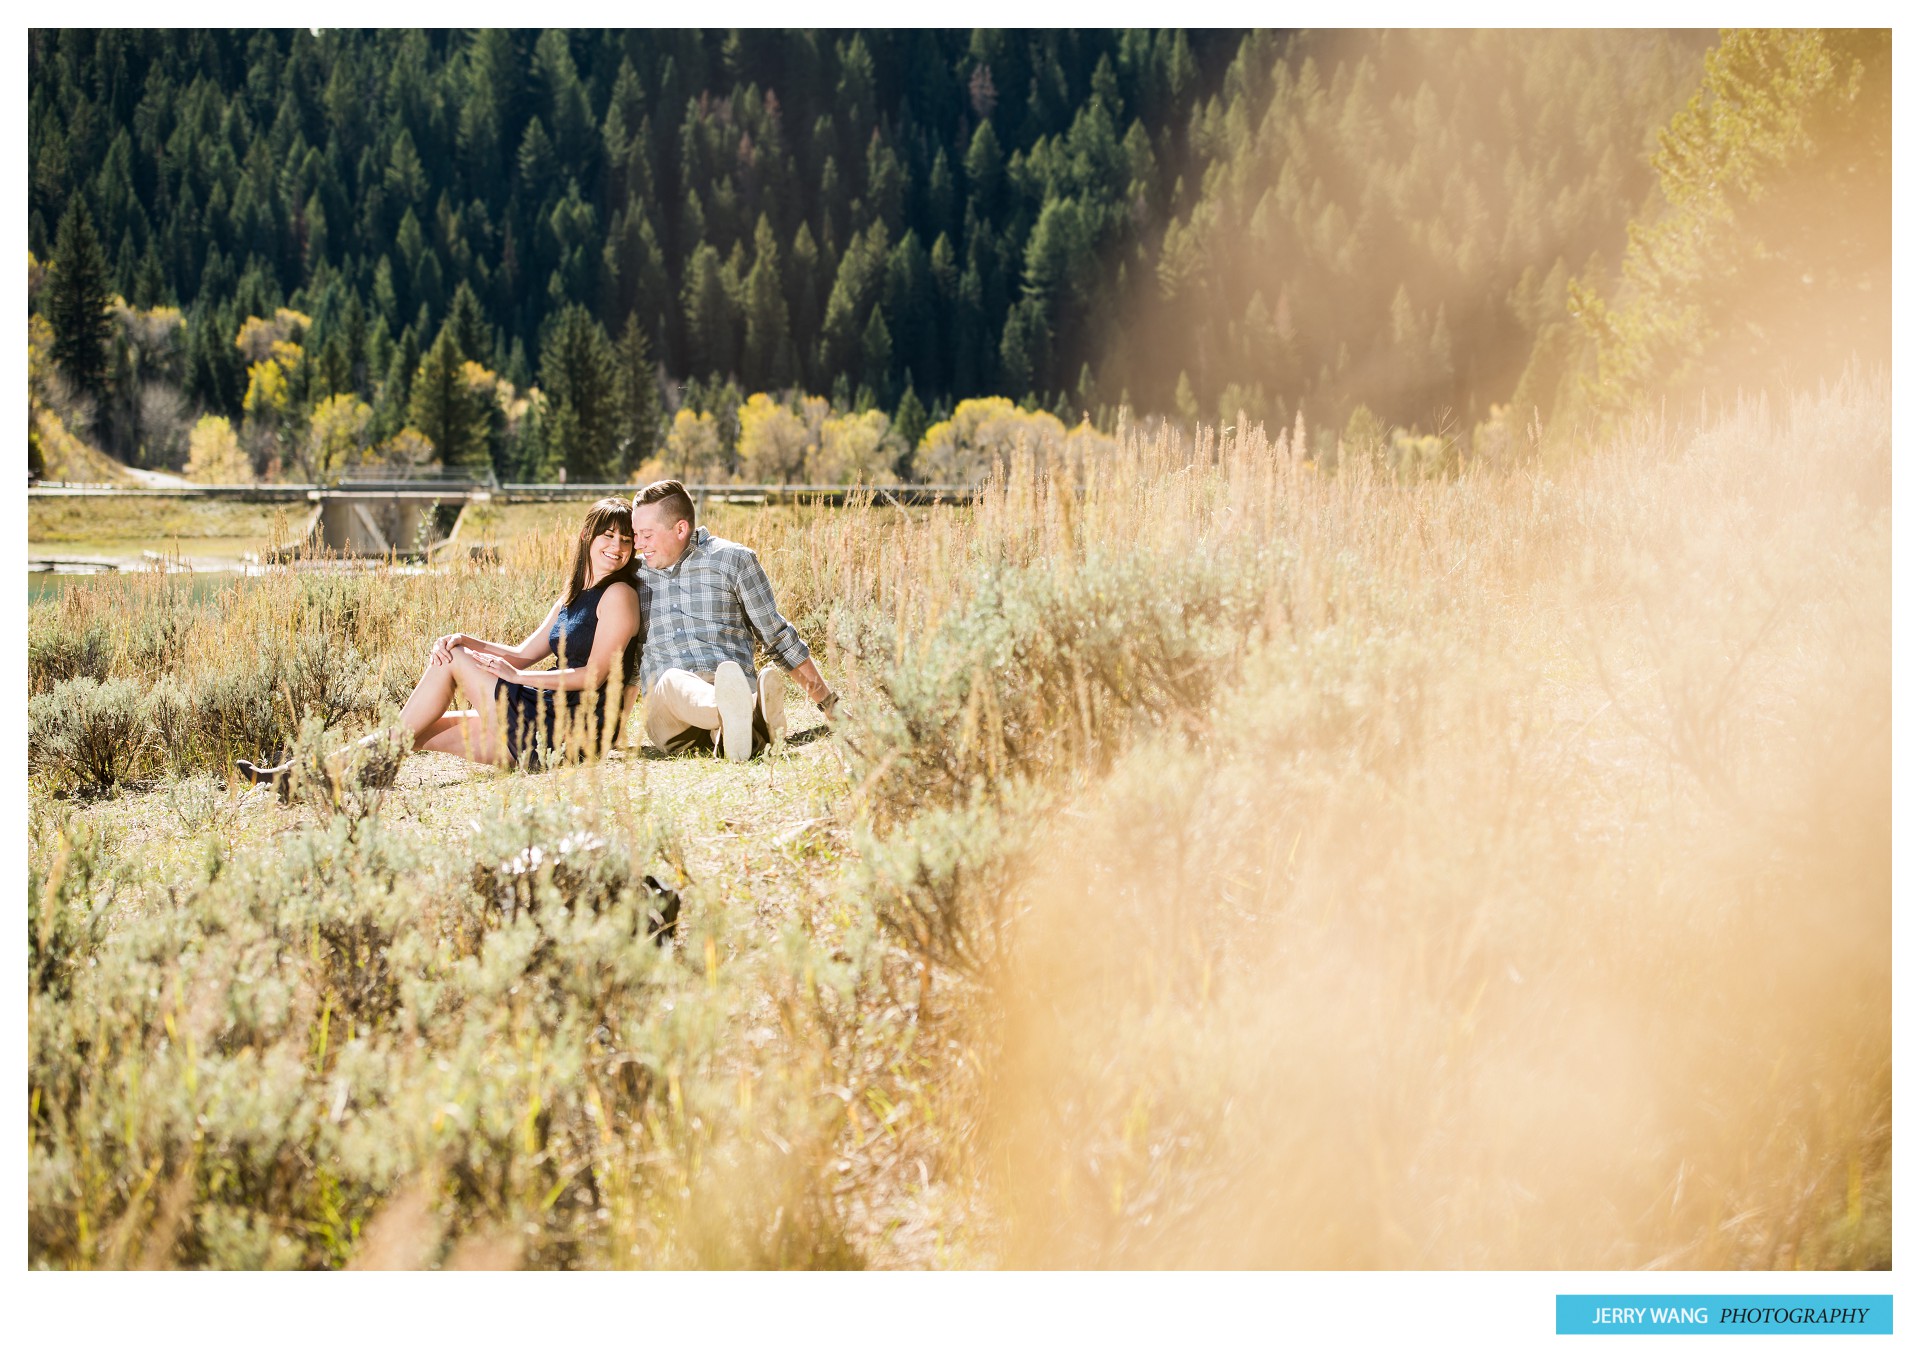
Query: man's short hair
[(672, 495)]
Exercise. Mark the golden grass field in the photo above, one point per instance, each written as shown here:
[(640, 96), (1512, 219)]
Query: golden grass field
[(62, 527), (1221, 861)]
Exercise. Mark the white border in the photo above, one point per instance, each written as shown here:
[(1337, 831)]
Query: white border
[(1171, 1310)]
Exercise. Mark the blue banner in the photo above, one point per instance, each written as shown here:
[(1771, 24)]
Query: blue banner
[(1667, 1315)]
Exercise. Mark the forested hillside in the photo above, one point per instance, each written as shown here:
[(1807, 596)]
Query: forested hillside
[(524, 251)]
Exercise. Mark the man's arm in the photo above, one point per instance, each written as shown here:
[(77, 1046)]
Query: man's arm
[(782, 640), (810, 679)]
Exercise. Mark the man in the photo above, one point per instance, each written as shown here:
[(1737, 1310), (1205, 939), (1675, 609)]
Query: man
[(703, 602)]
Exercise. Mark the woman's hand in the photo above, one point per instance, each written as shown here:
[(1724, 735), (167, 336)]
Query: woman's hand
[(442, 650), (499, 667)]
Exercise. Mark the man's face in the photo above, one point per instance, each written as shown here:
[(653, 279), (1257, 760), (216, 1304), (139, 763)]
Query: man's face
[(657, 537)]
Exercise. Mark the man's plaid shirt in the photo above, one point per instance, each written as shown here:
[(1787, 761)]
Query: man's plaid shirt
[(707, 608)]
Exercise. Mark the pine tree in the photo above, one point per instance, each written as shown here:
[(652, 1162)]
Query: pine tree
[(910, 420), (578, 375), (150, 283), (803, 290), (1183, 398), (216, 372), (876, 356), (446, 410), (985, 166), (498, 177), (391, 405), (636, 397), (77, 303), (765, 360), (707, 308), (472, 334)]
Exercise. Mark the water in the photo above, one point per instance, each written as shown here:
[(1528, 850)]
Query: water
[(201, 587), (50, 586)]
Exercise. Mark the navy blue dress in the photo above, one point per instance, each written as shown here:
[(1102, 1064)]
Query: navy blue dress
[(539, 719)]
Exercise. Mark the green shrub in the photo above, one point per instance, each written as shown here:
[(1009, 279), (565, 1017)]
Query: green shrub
[(310, 1028), (95, 735), (1049, 671), (64, 920), (1043, 678), (345, 776), (320, 676), (57, 653), (545, 854), (235, 712), (942, 882), (100, 734), (170, 711), (156, 632)]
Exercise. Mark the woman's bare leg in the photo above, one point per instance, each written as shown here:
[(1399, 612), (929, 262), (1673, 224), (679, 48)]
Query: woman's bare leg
[(431, 698), (429, 713), (457, 734), (480, 687), (426, 715)]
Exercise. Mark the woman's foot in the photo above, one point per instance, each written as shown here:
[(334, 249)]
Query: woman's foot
[(253, 773)]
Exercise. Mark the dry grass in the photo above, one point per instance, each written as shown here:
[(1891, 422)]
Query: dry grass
[(1526, 905), (96, 520), (196, 531), (1226, 863)]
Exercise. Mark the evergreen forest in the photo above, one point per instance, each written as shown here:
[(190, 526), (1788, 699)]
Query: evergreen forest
[(528, 254)]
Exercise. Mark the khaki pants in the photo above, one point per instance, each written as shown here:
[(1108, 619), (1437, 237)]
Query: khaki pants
[(681, 700)]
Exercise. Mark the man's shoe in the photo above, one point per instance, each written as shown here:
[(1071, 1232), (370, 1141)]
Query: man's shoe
[(773, 703), (734, 694), (689, 741)]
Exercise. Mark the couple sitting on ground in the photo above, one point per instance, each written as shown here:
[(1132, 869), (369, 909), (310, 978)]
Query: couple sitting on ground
[(687, 621)]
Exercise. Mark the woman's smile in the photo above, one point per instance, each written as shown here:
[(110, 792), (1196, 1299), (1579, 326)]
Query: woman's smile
[(611, 550)]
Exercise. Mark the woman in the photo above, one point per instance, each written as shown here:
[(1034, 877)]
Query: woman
[(595, 625)]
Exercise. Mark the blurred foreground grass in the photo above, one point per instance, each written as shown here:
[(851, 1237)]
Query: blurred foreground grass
[(1223, 862)]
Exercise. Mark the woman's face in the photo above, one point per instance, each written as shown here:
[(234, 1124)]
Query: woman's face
[(609, 551)]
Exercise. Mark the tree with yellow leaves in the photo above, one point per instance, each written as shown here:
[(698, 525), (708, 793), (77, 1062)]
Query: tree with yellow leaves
[(774, 445), (693, 452), (852, 449), (981, 432), (214, 454), (1771, 264), (260, 339), (337, 438), (268, 408)]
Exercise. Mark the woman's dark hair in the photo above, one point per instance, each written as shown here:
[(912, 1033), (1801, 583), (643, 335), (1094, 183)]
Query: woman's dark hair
[(608, 511)]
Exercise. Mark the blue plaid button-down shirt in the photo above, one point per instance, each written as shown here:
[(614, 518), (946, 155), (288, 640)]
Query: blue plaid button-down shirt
[(708, 608)]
